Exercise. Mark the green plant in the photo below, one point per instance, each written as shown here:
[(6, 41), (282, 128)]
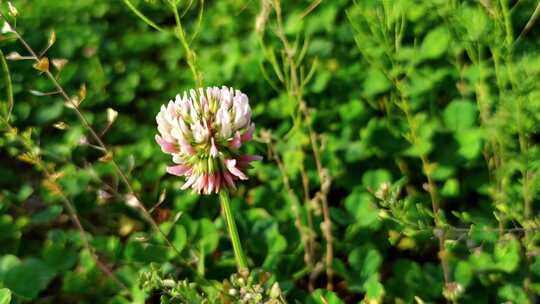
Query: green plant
[(399, 142)]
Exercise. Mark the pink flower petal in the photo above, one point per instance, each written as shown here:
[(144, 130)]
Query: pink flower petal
[(227, 177), (245, 160), (249, 158), (248, 135), (189, 182), (213, 149), (166, 146), (217, 182), (236, 141), (186, 147), (178, 170), (211, 183), (231, 166)]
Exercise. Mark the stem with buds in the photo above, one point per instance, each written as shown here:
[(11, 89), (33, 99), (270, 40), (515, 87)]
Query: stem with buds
[(108, 155)]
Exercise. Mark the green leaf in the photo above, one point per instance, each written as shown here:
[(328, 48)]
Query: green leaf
[(470, 143), (6, 263), (47, 215), (365, 262), (512, 293), (463, 273), (375, 83), (139, 248), (5, 296), (359, 204), (179, 237), (507, 255), (52, 111), (460, 115), (474, 21), (435, 43), (28, 278), (373, 179), (374, 289), (58, 256), (450, 188), (321, 296), (209, 236)]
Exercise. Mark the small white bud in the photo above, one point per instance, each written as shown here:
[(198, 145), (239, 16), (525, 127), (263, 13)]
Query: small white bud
[(6, 28), (111, 115), (15, 56), (132, 201), (13, 12), (169, 283)]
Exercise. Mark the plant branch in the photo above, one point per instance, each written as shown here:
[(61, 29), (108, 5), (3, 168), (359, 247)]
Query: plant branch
[(75, 106)]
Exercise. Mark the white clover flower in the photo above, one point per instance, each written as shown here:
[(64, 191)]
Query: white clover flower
[(203, 131)]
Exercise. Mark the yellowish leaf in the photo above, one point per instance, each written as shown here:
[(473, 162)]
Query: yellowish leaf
[(82, 92), (42, 65), (52, 39), (61, 125), (107, 157)]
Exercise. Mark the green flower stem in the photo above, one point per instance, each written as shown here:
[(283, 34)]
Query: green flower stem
[(233, 232)]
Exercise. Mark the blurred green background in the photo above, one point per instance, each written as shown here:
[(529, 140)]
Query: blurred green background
[(453, 72)]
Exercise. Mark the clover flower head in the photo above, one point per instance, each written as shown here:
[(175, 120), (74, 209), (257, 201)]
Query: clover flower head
[(203, 131)]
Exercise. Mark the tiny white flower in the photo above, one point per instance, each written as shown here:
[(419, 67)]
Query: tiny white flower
[(12, 9), (6, 28)]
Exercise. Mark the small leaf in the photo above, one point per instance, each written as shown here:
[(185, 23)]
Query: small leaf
[(460, 115), (82, 93), (107, 157), (435, 43), (28, 158), (52, 187), (42, 65), (52, 39), (39, 93)]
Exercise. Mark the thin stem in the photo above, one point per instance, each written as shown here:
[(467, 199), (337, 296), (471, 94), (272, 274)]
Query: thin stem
[(294, 87), (304, 236), (233, 232), (432, 188), (325, 181), (190, 54), (310, 250)]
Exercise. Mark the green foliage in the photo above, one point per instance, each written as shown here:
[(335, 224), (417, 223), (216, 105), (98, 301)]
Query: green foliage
[(404, 131), (5, 296)]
